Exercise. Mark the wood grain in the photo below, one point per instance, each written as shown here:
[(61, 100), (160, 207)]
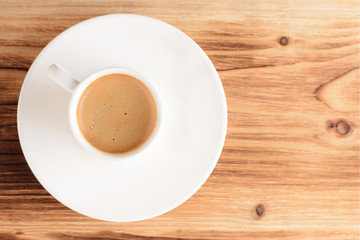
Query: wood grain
[(290, 165)]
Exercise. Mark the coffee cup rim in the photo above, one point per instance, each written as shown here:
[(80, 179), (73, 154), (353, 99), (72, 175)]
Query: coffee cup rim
[(75, 98)]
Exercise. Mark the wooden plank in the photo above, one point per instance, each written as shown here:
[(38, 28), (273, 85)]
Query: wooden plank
[(10, 85), (290, 165)]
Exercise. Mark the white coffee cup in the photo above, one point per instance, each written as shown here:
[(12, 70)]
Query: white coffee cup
[(76, 88)]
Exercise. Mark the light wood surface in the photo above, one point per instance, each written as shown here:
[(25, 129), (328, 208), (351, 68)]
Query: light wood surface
[(290, 165)]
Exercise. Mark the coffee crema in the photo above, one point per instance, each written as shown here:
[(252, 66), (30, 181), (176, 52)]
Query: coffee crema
[(116, 113)]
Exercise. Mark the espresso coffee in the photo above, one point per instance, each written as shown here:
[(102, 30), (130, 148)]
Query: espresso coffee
[(116, 113)]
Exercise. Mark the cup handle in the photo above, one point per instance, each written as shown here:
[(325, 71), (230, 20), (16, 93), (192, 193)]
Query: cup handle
[(62, 77)]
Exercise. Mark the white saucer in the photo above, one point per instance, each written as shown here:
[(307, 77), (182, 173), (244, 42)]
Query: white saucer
[(183, 154)]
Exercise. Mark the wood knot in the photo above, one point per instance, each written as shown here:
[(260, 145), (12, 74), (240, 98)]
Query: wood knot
[(284, 41), (340, 126), (259, 211)]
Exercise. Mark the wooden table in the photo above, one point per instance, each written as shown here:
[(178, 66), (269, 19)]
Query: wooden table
[(290, 165)]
